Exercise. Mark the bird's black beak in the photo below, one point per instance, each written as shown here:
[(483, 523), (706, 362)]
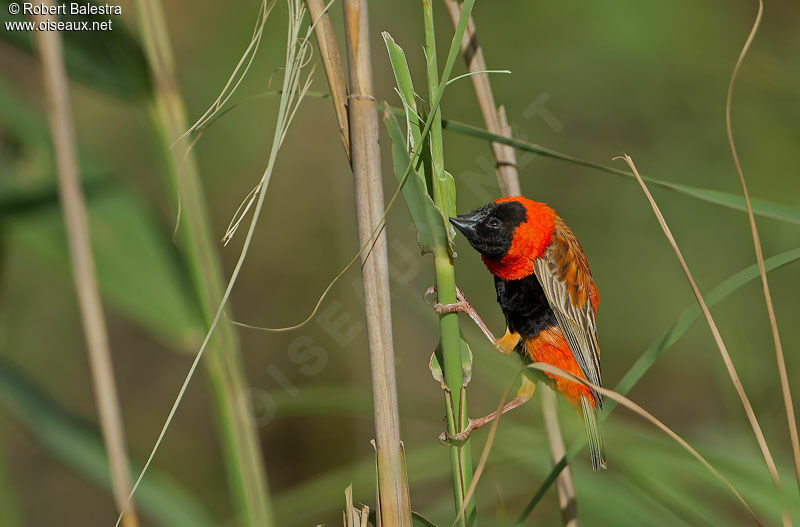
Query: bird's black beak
[(467, 223)]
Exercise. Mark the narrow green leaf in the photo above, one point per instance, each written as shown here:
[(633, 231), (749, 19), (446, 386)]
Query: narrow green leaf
[(427, 217), (760, 207), (435, 365), (652, 353), (108, 61), (138, 272), (449, 186), (79, 446), (414, 129), (318, 400), (27, 180), (690, 316), (420, 521), (466, 363), (405, 87), (472, 73), (25, 126)]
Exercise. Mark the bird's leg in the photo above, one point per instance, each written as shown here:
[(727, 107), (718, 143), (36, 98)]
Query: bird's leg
[(464, 306), (504, 344), (524, 395)]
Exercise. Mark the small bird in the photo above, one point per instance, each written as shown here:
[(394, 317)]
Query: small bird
[(546, 292)]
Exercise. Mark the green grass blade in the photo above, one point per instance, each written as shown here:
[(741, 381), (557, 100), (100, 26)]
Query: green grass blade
[(761, 207), (420, 521), (27, 185), (78, 446), (320, 401), (425, 159), (27, 177), (442, 183), (690, 315), (18, 120), (116, 66), (293, 507), (652, 353), (405, 88), (138, 273), (427, 218)]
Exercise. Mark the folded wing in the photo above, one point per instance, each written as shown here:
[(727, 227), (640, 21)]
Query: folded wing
[(567, 282)]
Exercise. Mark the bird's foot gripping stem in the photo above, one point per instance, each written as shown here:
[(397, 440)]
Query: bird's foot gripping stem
[(523, 395), (464, 306), (504, 344)]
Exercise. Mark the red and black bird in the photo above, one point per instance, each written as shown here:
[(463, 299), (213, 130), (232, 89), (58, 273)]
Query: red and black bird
[(546, 292)]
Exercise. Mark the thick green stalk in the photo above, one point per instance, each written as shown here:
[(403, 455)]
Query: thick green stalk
[(439, 178), (444, 197), (455, 397), (244, 461), (508, 178)]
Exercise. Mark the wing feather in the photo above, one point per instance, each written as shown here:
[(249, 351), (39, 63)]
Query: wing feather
[(564, 275)]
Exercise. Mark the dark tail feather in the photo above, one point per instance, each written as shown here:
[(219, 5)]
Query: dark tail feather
[(596, 446)]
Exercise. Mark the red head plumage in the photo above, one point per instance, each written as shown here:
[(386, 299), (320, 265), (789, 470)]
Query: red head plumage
[(531, 237), (544, 287)]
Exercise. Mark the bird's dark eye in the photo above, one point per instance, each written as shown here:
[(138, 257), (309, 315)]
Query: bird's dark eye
[(494, 223)]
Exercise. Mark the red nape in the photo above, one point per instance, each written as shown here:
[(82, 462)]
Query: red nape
[(530, 239), (550, 347)]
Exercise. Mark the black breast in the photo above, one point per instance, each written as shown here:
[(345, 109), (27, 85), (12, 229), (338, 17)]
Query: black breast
[(525, 305)]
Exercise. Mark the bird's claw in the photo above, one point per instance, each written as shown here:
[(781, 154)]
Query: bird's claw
[(446, 438), (444, 309), (461, 305)]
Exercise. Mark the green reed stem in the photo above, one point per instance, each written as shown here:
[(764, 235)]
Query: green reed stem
[(242, 453), (444, 198)]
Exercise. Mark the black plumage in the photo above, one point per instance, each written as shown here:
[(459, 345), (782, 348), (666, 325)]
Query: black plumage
[(525, 305)]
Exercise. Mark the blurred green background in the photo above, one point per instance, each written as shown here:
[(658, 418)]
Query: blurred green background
[(590, 79)]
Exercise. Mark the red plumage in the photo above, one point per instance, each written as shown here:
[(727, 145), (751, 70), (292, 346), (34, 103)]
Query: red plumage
[(543, 229), (546, 291), (530, 240)]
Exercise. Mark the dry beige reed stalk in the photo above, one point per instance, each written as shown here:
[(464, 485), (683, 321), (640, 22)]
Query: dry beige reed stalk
[(395, 508), (505, 161), (776, 338), (241, 449), (332, 63), (632, 406), (565, 485), (487, 448), (76, 220), (737, 383), (294, 87)]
